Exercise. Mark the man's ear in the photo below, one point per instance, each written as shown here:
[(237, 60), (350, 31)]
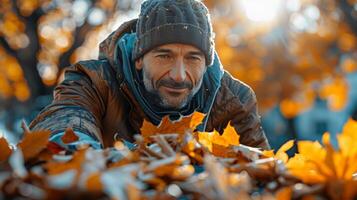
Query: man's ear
[(139, 64)]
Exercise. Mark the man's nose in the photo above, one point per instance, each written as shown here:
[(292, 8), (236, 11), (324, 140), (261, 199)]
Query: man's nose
[(178, 71)]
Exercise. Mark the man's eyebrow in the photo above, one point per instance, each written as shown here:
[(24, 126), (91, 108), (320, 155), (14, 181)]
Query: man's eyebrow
[(161, 50), (196, 53)]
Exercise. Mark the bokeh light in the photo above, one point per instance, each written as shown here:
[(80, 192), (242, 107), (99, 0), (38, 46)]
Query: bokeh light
[(261, 10)]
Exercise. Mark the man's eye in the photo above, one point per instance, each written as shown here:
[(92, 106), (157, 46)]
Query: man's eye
[(194, 58), (163, 56)]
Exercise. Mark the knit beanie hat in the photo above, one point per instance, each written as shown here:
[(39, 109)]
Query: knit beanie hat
[(174, 21)]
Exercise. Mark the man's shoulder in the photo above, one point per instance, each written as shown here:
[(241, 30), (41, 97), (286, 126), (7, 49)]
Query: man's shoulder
[(237, 88), (98, 70), (93, 65), (98, 73), (233, 100)]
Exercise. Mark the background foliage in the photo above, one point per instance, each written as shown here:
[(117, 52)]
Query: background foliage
[(297, 55)]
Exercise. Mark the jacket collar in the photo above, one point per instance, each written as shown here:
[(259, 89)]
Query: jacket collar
[(201, 102), (118, 47)]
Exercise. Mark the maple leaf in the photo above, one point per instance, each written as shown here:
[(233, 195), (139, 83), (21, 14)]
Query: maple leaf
[(281, 153), (268, 153), (54, 147), (317, 164), (94, 182), (4, 149), (347, 142), (75, 163), (230, 136), (167, 126), (284, 193), (69, 136), (306, 164), (33, 143), (219, 144)]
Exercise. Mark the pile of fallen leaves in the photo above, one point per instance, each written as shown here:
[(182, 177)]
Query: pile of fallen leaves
[(172, 161)]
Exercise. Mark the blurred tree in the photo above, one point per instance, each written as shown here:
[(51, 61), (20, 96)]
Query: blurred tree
[(39, 38), (301, 55), (304, 53)]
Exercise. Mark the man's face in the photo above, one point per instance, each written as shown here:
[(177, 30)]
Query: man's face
[(172, 73)]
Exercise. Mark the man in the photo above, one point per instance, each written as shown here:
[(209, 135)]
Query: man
[(162, 63)]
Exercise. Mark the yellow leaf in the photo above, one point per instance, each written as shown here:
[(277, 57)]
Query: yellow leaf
[(290, 108), (230, 135), (336, 93), (205, 138), (218, 144), (281, 154), (300, 167), (350, 128), (312, 150), (347, 142), (268, 153), (326, 139)]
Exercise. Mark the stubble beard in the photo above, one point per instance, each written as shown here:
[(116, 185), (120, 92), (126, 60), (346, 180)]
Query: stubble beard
[(154, 95)]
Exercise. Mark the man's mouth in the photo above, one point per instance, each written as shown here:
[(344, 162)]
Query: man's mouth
[(173, 90)]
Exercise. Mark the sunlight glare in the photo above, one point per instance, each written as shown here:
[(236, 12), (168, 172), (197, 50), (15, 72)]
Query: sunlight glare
[(293, 5), (261, 10)]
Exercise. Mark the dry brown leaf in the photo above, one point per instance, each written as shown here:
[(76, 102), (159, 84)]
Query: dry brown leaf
[(75, 163), (284, 194), (24, 127), (183, 172), (33, 143), (94, 182), (4, 149), (54, 147), (69, 136), (167, 126)]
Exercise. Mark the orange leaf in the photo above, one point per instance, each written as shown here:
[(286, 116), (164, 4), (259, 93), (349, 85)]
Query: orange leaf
[(75, 163), (330, 154), (223, 151), (281, 153), (268, 153), (167, 126), (350, 128), (4, 149), (206, 138), (33, 143), (54, 147), (230, 135), (284, 194), (69, 136), (94, 182)]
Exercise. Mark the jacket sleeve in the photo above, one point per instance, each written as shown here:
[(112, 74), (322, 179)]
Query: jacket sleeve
[(82, 139), (247, 122), (79, 103)]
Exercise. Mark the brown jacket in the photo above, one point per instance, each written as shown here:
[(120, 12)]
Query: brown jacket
[(95, 99)]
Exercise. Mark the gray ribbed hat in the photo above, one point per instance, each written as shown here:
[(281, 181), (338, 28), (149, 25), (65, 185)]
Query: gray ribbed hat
[(174, 21)]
